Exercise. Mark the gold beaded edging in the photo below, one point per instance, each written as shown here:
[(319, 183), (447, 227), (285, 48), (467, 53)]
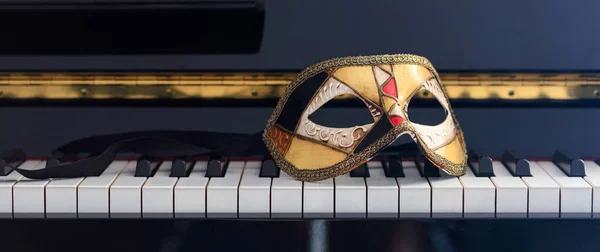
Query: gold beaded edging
[(356, 159)]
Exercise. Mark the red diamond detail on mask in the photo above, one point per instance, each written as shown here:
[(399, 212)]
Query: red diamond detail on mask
[(390, 88), (396, 120)]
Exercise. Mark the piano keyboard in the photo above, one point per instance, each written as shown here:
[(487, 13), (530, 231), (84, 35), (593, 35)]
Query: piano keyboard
[(241, 192)]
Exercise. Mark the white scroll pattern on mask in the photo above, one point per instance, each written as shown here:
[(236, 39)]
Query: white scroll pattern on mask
[(438, 135), (432, 86), (340, 137), (435, 136), (330, 90)]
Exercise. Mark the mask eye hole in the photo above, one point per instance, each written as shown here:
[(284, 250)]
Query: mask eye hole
[(334, 116), (432, 114)]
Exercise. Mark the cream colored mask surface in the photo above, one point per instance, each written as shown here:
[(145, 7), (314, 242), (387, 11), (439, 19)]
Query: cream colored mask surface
[(386, 84)]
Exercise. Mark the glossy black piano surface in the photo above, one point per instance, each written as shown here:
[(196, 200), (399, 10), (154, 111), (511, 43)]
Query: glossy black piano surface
[(473, 37)]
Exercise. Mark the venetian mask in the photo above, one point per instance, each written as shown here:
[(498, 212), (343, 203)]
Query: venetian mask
[(386, 84)]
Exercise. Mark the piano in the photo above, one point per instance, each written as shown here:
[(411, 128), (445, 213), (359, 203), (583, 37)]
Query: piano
[(525, 89)]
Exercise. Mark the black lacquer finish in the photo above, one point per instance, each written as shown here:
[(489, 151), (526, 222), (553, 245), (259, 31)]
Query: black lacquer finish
[(568, 163), (481, 163), (131, 28), (427, 168), (392, 167), (146, 166), (517, 165), (216, 167), (361, 171), (10, 159), (181, 168)]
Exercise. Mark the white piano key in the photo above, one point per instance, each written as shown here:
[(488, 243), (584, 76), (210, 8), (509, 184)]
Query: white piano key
[(544, 195), (61, 198), (222, 192), (575, 193), (350, 197), (511, 193), (6, 188), (446, 196), (190, 193), (157, 193), (93, 193), (29, 195), (479, 196), (286, 197), (318, 199), (382, 193), (126, 194), (414, 192), (592, 177), (254, 193)]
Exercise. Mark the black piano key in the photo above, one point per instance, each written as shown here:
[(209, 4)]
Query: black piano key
[(427, 168), (181, 168), (360, 172), (481, 163), (216, 168), (518, 166), (268, 169), (11, 159), (569, 164), (146, 167), (392, 167)]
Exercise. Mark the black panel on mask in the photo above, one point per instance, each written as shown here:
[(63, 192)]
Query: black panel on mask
[(382, 127), (299, 100)]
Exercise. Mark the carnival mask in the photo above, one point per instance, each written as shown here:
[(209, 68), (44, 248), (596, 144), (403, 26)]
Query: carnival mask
[(386, 84)]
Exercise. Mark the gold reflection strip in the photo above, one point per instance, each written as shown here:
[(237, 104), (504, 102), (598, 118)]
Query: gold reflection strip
[(479, 86)]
